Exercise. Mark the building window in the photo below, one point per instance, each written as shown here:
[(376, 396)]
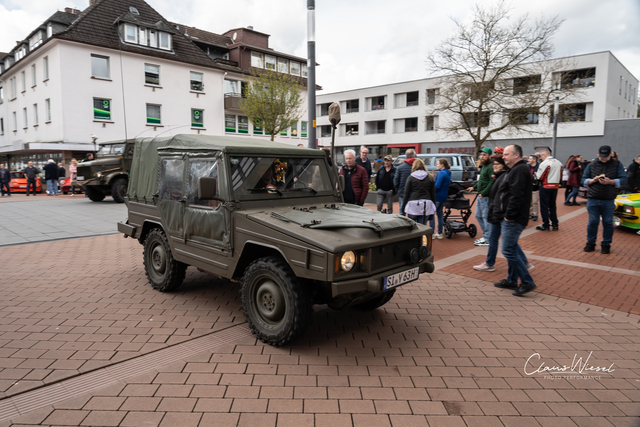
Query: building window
[(45, 68), (283, 66), (130, 33), (270, 62), (295, 68), (153, 39), (324, 109), (304, 70), (325, 131), (303, 129), (583, 78), (572, 113), (196, 81), (411, 125), (1, 94), (353, 106), (243, 124), (35, 40), (49, 30), (1, 126), (47, 108), (431, 123), (165, 41), (377, 103), (197, 118), (100, 66), (257, 130), (151, 74), (12, 87), (35, 114), (412, 99), (431, 96), (294, 130), (351, 129), (33, 75), (375, 127), (15, 122), (25, 117), (527, 84), (472, 119), (101, 109), (257, 60), (230, 123), (528, 116), (153, 114), (23, 79)]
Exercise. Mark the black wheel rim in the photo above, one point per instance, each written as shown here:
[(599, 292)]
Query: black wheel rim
[(158, 258), (269, 302)]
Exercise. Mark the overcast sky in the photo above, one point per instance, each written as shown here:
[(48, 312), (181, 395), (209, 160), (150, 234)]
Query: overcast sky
[(367, 43)]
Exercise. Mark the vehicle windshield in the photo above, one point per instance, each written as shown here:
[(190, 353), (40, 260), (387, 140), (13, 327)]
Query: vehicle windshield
[(111, 150), (255, 178), (468, 161), (15, 175)]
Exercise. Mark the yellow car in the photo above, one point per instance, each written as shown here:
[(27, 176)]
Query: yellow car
[(627, 213)]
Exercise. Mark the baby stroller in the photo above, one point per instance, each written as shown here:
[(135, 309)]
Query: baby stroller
[(457, 222)]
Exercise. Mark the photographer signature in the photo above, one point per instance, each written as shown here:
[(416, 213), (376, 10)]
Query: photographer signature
[(577, 365)]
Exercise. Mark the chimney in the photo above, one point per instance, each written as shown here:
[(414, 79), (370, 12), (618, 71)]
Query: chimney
[(72, 10), (92, 2)]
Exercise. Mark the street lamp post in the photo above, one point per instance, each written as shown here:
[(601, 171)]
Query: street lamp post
[(311, 71)]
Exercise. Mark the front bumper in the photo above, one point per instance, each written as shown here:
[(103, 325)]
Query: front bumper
[(374, 283)]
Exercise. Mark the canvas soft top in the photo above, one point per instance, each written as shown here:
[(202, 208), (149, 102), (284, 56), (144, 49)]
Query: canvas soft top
[(142, 182)]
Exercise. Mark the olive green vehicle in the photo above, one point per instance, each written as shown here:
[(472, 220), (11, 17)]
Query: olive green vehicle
[(108, 175), (270, 215)]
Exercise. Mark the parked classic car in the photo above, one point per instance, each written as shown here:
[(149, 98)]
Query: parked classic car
[(18, 183), (627, 213)]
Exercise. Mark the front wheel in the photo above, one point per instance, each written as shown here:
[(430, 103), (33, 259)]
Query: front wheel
[(473, 230), (119, 190), (163, 271), (275, 302), (94, 194), (448, 232)]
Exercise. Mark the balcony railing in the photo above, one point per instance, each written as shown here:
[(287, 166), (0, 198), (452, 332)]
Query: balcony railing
[(412, 103), (232, 101)]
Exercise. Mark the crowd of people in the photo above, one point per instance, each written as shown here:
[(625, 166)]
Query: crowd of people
[(512, 189), (53, 172)]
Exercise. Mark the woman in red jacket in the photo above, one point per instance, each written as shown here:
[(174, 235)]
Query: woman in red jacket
[(575, 173)]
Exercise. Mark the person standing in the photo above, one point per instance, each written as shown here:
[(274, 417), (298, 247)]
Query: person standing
[(5, 178), (364, 161), (482, 187), (604, 176), (356, 183), (89, 158), (402, 174), (575, 173), (535, 195), (443, 181), (514, 196), (31, 172), (73, 173), (550, 174), (419, 194), (62, 172), (384, 184), (51, 176), (633, 176)]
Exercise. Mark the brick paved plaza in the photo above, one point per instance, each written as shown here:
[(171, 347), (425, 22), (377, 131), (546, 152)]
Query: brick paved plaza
[(85, 340)]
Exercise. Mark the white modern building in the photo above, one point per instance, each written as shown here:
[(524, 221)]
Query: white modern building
[(389, 119), (119, 70)]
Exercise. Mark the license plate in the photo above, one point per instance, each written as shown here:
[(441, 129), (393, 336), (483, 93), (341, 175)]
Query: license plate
[(401, 278), (22, 186), (80, 178)]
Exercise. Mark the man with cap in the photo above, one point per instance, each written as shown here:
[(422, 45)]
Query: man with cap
[(549, 174), (384, 184), (498, 152), (482, 187), (603, 176)]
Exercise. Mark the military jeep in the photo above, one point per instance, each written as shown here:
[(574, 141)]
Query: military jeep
[(108, 175), (270, 215)]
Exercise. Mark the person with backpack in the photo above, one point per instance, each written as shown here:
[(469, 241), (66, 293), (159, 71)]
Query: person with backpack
[(419, 194)]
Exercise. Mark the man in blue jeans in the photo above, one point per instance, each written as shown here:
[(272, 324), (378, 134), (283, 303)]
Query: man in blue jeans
[(483, 186), (604, 176), (514, 192)]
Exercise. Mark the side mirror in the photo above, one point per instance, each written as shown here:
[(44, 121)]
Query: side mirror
[(207, 188)]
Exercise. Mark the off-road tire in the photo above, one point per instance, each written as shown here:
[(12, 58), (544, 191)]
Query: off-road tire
[(163, 271), (119, 190), (376, 302), (94, 195), (275, 302), (473, 230)]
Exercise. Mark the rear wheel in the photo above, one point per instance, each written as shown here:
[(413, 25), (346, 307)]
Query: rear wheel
[(473, 230), (94, 194), (275, 302), (163, 271), (119, 190), (448, 232), (376, 302)]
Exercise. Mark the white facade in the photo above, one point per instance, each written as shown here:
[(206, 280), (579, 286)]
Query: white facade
[(406, 109)]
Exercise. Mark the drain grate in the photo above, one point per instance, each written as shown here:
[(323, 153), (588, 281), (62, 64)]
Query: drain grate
[(28, 401)]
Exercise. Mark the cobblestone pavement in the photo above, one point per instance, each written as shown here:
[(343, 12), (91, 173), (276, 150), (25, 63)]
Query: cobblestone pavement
[(447, 350)]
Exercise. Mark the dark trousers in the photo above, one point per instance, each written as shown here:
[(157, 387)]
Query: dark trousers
[(548, 206), (31, 182), (3, 186)]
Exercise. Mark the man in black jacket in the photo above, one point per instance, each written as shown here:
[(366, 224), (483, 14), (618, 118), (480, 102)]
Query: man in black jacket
[(513, 202), (5, 178), (633, 176), (31, 173)]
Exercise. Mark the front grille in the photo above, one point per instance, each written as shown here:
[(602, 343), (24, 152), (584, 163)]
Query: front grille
[(392, 255)]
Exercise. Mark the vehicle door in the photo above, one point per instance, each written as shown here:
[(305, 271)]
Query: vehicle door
[(206, 222), (171, 193)]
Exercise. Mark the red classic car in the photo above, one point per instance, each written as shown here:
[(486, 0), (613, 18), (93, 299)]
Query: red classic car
[(18, 183), (64, 185)]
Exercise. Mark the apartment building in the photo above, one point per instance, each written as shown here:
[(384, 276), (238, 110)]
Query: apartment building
[(119, 70), (388, 119)]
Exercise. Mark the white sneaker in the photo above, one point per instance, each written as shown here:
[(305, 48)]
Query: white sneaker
[(484, 267), (530, 266), (475, 242), (482, 243), (440, 236)]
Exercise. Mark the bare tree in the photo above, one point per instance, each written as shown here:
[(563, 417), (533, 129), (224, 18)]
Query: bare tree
[(272, 101), (496, 75)]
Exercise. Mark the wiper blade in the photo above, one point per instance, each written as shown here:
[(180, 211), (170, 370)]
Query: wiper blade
[(267, 190)]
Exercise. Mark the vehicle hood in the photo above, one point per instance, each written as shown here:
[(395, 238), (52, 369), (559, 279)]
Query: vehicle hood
[(337, 227), (632, 199), (100, 163)]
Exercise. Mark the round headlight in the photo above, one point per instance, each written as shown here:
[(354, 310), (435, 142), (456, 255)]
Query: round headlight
[(347, 261), (425, 241)]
